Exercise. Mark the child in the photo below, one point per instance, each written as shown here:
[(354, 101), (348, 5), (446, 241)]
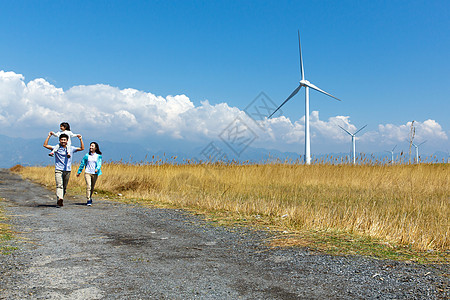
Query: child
[(65, 128)]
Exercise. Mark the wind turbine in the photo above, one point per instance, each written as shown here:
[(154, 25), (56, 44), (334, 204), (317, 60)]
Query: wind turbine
[(353, 135), (392, 152), (417, 150), (307, 85)]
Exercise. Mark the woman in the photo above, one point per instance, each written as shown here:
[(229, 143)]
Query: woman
[(93, 163)]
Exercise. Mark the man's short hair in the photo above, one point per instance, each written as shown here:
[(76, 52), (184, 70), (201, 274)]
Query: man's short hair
[(63, 135)]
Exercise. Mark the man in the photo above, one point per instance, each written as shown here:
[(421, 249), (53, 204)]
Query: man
[(63, 164)]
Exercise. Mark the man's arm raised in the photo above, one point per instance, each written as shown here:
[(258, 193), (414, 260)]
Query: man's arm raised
[(81, 148), (46, 141)]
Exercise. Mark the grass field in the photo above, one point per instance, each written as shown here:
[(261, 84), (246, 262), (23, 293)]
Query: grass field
[(393, 211)]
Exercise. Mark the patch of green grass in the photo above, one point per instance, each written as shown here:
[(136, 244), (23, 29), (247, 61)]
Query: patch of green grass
[(341, 243), (6, 235), (6, 250)]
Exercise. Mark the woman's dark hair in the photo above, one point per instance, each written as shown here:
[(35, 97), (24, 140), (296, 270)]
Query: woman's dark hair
[(97, 148), (65, 125)]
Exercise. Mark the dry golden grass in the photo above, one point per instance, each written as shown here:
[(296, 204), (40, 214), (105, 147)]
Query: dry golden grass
[(399, 204)]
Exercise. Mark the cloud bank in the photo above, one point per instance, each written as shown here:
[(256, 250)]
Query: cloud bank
[(32, 109)]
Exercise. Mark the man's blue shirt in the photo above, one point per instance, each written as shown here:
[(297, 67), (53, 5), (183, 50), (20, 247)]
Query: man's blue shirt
[(62, 162)]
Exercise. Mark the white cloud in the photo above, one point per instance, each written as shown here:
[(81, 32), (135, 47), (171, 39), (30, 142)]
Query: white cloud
[(101, 109), (427, 130), (34, 108), (330, 129), (282, 129)]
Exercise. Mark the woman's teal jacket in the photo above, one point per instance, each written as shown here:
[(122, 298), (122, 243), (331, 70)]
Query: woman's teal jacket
[(98, 168)]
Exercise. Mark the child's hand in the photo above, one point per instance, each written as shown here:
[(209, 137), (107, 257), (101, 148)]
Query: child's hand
[(79, 136), (51, 133)]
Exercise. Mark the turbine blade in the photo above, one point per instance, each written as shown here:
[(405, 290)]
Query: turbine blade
[(301, 60), (288, 98), (421, 143), (345, 130), (360, 129), (394, 148), (309, 84)]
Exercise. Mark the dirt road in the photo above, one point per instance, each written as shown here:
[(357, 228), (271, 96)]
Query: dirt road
[(120, 251)]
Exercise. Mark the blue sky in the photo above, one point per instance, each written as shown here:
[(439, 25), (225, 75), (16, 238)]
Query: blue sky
[(387, 60)]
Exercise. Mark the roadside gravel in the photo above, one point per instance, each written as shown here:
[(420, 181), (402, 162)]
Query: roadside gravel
[(122, 251)]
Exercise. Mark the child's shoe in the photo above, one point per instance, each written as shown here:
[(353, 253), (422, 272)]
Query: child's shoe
[(51, 154)]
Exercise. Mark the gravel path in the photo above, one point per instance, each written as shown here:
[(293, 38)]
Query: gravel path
[(123, 251)]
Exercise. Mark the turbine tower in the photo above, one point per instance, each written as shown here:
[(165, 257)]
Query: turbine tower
[(417, 150), (353, 135), (392, 153), (307, 85)]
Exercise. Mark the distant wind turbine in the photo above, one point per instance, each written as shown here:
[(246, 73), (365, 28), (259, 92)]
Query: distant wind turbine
[(353, 135), (417, 150), (392, 153), (307, 85)]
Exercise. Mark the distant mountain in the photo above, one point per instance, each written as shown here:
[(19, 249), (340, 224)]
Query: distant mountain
[(29, 152), (26, 152)]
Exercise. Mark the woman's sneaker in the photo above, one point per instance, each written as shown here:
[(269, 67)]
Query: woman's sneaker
[(89, 202)]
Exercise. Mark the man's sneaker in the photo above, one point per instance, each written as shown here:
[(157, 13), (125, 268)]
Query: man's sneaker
[(60, 203), (89, 202)]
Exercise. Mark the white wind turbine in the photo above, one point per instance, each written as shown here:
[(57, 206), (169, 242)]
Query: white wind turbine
[(392, 153), (353, 135), (307, 85), (417, 150)]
